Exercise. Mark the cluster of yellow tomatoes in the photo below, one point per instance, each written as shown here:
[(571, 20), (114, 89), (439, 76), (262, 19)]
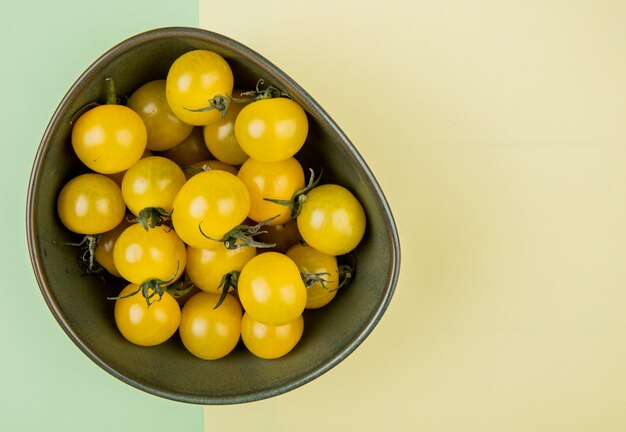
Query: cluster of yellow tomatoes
[(223, 222)]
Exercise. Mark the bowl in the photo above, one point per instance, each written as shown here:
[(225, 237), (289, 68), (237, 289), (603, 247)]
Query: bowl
[(79, 302)]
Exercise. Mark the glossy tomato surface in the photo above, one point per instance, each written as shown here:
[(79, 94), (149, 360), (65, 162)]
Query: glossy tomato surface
[(193, 80), (90, 204), (271, 289), (211, 202), (109, 138)]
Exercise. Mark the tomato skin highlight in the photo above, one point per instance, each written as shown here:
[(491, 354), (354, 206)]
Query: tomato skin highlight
[(109, 138), (193, 80), (143, 325), (271, 289), (207, 332), (332, 220), (270, 342), (271, 130), (90, 204)]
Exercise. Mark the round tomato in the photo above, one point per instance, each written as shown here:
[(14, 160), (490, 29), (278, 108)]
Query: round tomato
[(143, 325), (273, 180), (156, 253), (207, 267), (190, 151), (210, 333), (212, 201), (104, 249), (118, 177), (165, 130), (152, 182), (283, 236), (322, 273), (271, 130), (331, 220), (90, 204), (208, 165), (109, 138), (270, 342), (194, 80), (271, 289), (220, 138)]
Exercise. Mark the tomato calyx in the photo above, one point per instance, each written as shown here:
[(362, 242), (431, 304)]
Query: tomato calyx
[(191, 171), (347, 271), (87, 260), (110, 98), (228, 281), (258, 94), (310, 279), (218, 102), (243, 235), (153, 287), (151, 217), (299, 197)]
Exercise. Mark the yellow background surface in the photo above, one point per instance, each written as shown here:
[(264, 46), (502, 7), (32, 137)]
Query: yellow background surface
[(498, 132)]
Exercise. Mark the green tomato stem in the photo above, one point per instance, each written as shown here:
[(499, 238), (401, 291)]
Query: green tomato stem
[(109, 91), (151, 288), (299, 197), (152, 217), (229, 280), (243, 235)]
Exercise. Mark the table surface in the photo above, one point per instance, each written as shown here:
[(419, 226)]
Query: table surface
[(498, 132)]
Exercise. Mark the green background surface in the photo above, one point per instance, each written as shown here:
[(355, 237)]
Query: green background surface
[(46, 382)]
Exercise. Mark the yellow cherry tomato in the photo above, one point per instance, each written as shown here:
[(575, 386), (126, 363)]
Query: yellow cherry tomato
[(193, 80), (275, 180), (283, 236), (152, 182), (215, 201), (109, 138), (207, 267), (271, 130), (90, 204), (190, 151), (143, 325), (271, 289), (104, 250), (314, 262), (220, 138), (207, 165), (210, 333), (156, 253), (165, 130), (332, 220), (270, 342), (118, 177)]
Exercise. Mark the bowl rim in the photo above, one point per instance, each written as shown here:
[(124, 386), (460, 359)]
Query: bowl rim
[(35, 258)]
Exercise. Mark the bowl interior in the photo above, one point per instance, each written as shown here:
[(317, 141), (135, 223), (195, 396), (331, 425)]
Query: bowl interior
[(80, 302)]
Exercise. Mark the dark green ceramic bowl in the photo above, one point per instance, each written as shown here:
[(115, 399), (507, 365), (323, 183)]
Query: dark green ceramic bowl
[(79, 302)]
